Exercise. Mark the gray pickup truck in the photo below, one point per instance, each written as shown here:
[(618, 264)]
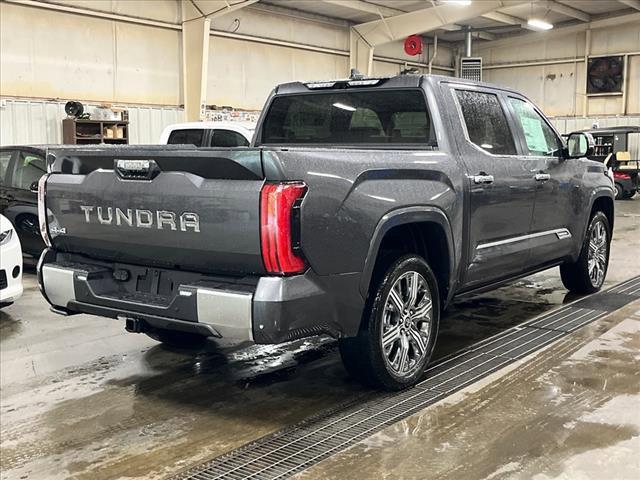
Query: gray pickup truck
[(362, 208)]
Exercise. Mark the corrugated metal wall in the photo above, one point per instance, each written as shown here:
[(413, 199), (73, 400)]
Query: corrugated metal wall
[(24, 122)]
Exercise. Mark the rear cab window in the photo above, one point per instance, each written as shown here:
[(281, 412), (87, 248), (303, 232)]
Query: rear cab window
[(486, 122), (228, 139), (188, 136), (350, 118)]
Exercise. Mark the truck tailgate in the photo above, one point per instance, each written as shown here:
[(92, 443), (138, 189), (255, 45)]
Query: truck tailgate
[(196, 211)]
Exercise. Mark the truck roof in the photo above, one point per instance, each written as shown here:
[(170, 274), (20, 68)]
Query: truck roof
[(397, 81)]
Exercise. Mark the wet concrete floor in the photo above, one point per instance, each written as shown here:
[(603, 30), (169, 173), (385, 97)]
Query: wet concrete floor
[(572, 411), (82, 399)]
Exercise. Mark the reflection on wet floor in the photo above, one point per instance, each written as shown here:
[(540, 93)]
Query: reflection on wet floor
[(82, 399), (150, 411)]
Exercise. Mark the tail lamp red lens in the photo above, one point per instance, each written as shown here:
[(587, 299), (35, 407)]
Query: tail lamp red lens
[(280, 227), (621, 175)]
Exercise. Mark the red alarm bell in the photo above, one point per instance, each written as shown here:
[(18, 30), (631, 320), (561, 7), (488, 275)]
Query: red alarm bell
[(413, 45)]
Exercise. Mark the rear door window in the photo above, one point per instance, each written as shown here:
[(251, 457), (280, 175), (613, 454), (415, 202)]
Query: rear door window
[(486, 122), (5, 159), (350, 118), (540, 138), (189, 136), (228, 138), (28, 170)]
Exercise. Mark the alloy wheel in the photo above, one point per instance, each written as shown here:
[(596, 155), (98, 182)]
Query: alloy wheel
[(406, 324), (597, 255)]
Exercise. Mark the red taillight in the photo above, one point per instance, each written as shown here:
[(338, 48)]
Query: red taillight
[(279, 227), (621, 176)]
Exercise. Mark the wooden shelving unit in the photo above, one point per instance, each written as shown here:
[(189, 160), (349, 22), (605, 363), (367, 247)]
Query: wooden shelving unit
[(93, 132), (603, 145)]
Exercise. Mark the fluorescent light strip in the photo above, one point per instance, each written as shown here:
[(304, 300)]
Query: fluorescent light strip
[(539, 24), (459, 3)]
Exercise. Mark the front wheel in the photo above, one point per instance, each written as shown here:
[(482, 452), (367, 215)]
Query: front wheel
[(587, 274), (400, 325)]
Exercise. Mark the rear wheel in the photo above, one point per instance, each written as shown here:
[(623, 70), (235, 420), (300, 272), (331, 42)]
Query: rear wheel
[(587, 274), (628, 195), (178, 339), (400, 325)]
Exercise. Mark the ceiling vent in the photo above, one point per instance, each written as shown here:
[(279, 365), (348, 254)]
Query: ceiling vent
[(471, 68)]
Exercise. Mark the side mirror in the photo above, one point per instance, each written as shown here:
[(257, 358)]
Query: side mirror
[(579, 144), (33, 188)]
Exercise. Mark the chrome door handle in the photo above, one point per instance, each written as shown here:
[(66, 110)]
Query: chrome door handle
[(486, 179), (542, 177)]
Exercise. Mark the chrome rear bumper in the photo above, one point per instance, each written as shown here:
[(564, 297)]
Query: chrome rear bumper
[(223, 313), (264, 310)]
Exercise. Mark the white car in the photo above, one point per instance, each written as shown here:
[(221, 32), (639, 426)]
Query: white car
[(10, 263), (209, 134)]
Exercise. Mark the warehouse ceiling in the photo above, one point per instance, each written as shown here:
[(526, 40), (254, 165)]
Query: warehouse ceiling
[(509, 19)]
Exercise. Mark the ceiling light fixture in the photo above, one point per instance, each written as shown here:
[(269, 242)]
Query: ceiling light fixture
[(459, 3), (539, 24)]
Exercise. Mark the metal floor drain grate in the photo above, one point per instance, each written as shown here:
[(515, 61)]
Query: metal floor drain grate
[(293, 450)]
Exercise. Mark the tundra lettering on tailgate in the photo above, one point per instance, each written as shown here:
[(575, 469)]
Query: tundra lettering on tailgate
[(141, 218)]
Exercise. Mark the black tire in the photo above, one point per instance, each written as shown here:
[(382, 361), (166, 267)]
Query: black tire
[(364, 357), (6, 304), (575, 276), (629, 195), (619, 191), (174, 338)]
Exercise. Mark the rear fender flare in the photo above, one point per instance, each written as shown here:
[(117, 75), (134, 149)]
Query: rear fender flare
[(597, 194), (403, 216)]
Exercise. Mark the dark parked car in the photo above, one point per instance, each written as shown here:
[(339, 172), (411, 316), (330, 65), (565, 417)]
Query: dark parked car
[(364, 206), (20, 169)]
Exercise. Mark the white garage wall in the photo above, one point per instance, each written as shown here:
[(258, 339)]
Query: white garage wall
[(60, 55), (29, 122), (246, 84), (48, 54), (559, 88), (242, 71)]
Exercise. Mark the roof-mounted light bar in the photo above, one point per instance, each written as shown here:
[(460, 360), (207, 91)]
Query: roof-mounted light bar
[(349, 83), (361, 83), (321, 84)]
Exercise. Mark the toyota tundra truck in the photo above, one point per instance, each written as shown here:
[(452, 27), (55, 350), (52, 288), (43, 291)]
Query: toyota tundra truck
[(362, 207)]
